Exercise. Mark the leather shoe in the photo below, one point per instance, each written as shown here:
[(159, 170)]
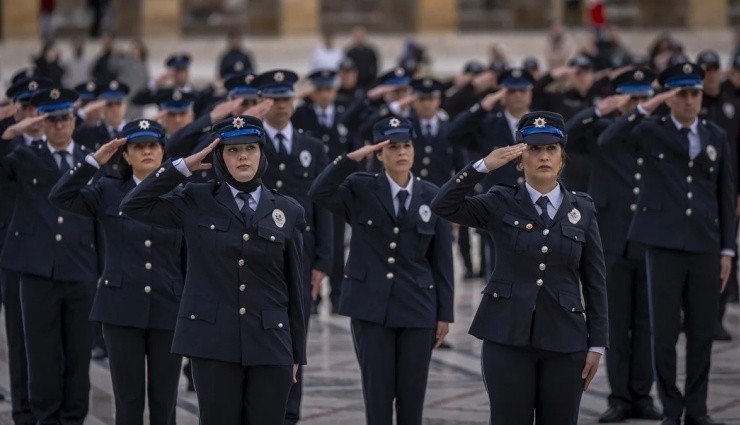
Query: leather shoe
[(614, 414), (702, 420), (668, 421), (98, 353), (721, 334), (646, 412)]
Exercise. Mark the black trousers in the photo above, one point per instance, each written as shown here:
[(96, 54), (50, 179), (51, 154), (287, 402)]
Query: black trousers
[(141, 364), (337, 268), (524, 382), (685, 281), (10, 282), (232, 394), (394, 364), (58, 341), (293, 406), (628, 363), (463, 244)]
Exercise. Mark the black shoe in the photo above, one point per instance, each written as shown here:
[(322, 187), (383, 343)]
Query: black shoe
[(721, 334), (646, 412), (614, 414), (703, 420), (668, 421), (445, 345), (314, 309), (98, 353)]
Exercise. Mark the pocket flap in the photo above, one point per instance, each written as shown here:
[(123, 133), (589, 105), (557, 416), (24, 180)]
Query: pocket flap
[(196, 309), (570, 302), (214, 223), (303, 172), (425, 280), (425, 228), (271, 234), (275, 319), (518, 222), (367, 219), (113, 211), (111, 280), (575, 233), (498, 289)]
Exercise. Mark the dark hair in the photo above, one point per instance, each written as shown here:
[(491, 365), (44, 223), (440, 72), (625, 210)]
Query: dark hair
[(124, 168)]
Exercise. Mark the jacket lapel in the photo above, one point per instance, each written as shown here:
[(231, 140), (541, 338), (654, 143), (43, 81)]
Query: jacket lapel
[(225, 198), (265, 206), (383, 193), (47, 158), (526, 205), (568, 204)]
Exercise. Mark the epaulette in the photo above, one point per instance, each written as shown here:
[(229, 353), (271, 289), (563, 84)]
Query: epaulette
[(364, 174), (443, 115), (583, 195)]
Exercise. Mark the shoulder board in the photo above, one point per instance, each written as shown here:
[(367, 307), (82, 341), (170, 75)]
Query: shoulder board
[(443, 115), (583, 195), (363, 175), (287, 198)]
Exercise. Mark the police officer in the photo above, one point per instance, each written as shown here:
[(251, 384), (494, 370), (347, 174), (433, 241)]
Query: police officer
[(541, 347), (398, 287), (348, 90), (87, 111), (176, 107), (176, 76), (297, 159), (615, 185), (241, 315), (688, 185), (56, 288)]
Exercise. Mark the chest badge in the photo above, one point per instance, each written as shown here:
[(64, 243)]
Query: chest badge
[(574, 216), (425, 213), (305, 158), (729, 110), (278, 216), (712, 153)]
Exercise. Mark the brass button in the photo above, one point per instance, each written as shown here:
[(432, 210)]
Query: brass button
[(242, 311), (389, 276), (661, 156), (688, 211), (280, 325), (147, 243), (241, 262), (636, 190), (640, 161), (426, 160), (192, 317), (148, 266), (242, 287), (516, 222), (308, 228), (689, 179), (393, 245), (495, 295), (638, 176), (711, 169), (272, 238), (245, 236), (281, 167), (691, 164), (544, 249), (35, 181), (58, 238), (147, 289), (120, 213), (60, 219), (213, 226), (540, 282), (520, 180), (369, 222), (529, 226), (689, 195), (423, 172), (457, 180), (573, 309), (106, 281), (279, 184), (633, 207)]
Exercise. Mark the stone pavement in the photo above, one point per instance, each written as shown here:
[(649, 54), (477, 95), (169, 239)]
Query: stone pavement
[(455, 394)]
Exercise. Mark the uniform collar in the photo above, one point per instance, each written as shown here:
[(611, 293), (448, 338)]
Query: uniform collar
[(328, 111), (70, 149), (554, 196), (272, 131), (395, 188), (28, 139), (693, 128), (256, 193)]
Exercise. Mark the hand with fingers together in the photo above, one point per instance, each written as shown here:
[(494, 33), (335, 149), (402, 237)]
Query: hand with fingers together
[(611, 103), (195, 161), (654, 102), (22, 126), (366, 150), (224, 109), (590, 368), (106, 152), (259, 110), (490, 101), (443, 328), (502, 156)]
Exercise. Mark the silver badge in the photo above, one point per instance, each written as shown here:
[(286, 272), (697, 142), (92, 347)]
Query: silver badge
[(342, 130), (516, 73), (425, 213), (33, 85), (90, 86), (539, 122), (278, 216), (144, 124), (305, 158), (279, 77), (239, 66), (176, 96), (113, 85), (712, 153), (427, 83), (639, 75), (54, 94), (237, 122), (687, 69), (248, 78), (729, 109), (399, 72), (394, 122), (574, 216)]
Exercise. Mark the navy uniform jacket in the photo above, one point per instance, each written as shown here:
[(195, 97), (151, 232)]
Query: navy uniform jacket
[(67, 240), (480, 132), (397, 274), (294, 178), (533, 296), (93, 137), (336, 139), (684, 204), (142, 279), (7, 197), (191, 139), (435, 159), (243, 297), (616, 177)]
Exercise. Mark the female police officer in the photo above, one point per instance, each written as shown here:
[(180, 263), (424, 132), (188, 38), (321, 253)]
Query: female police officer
[(139, 291), (540, 351), (241, 318), (398, 278)]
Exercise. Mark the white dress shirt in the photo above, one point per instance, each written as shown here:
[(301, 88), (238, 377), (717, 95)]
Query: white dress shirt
[(395, 188), (328, 115), (287, 132), (432, 123), (694, 142), (70, 149)]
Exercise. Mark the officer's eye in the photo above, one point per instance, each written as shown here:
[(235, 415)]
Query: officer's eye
[(231, 150), (551, 147), (251, 147), (533, 148)]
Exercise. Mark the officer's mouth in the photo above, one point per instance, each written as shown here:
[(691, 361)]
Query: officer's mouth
[(544, 168)]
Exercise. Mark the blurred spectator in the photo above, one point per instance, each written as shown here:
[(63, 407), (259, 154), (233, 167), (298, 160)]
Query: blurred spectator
[(413, 58), (326, 55), (736, 47), (559, 47), (99, 10), (364, 57), (609, 49), (236, 59), (46, 21), (101, 70), (131, 68), (47, 63), (662, 49), (496, 53), (77, 68)]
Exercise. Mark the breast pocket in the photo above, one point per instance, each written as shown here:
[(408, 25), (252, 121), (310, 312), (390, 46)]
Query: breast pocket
[(573, 239), (498, 289), (369, 221), (302, 173), (212, 230), (273, 240), (516, 228)]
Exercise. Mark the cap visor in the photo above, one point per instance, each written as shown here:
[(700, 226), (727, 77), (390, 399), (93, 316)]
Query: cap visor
[(540, 139), (242, 140), (145, 139)]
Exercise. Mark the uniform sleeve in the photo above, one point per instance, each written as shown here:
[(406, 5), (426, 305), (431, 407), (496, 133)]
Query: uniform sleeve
[(619, 133), (453, 204), (332, 190), (294, 278), (577, 128), (440, 257), (324, 228), (593, 271), (72, 192), (153, 202), (726, 194), (7, 168), (463, 129), (186, 140)]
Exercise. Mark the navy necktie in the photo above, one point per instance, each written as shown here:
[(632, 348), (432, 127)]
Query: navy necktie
[(246, 210), (282, 152), (402, 195), (542, 202), (63, 164), (685, 136), (37, 143)]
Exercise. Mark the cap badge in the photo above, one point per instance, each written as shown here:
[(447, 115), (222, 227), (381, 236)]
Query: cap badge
[(427, 83), (90, 86), (539, 122), (279, 77), (516, 73), (113, 85), (305, 158), (324, 74), (425, 213), (237, 122), (33, 85), (394, 122), (399, 72), (176, 96), (278, 216), (144, 124), (639, 75), (574, 216), (248, 78), (687, 68), (54, 94), (238, 66)]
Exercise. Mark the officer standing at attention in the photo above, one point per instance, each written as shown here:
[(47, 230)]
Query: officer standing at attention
[(541, 347), (615, 186), (687, 185), (297, 159), (241, 314), (142, 280), (398, 287), (56, 288), (176, 76)]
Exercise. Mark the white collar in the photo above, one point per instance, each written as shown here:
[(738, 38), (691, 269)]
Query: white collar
[(329, 110), (287, 131), (110, 128), (256, 193), (433, 121), (555, 196), (395, 188), (70, 149), (512, 120), (136, 180), (28, 139), (693, 128)]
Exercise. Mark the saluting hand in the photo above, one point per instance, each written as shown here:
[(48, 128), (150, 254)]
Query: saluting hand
[(407, 100), (259, 110), (106, 152), (492, 99), (366, 150), (8, 110), (725, 265), (21, 126), (443, 328), (502, 156), (195, 161), (652, 104), (590, 368), (377, 92), (610, 103), (224, 109)]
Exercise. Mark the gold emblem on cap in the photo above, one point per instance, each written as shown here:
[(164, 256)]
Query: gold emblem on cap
[(90, 86), (33, 85), (539, 122), (687, 68), (248, 78), (237, 122), (54, 94), (144, 124), (176, 95), (399, 72), (639, 75), (529, 226), (517, 73), (278, 77), (113, 85), (394, 122), (238, 66)]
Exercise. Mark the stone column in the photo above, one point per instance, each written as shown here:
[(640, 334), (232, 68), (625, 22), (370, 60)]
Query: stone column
[(299, 17), (436, 15), (19, 18), (706, 14)]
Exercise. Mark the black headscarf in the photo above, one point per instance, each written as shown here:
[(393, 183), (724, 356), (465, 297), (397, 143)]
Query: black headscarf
[(223, 174)]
